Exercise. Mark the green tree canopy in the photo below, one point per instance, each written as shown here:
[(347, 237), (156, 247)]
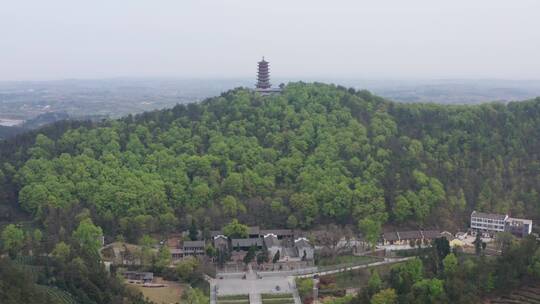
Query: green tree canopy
[(12, 239), (235, 230), (88, 236), (385, 296)]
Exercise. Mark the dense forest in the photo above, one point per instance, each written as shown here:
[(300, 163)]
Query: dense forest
[(312, 155)]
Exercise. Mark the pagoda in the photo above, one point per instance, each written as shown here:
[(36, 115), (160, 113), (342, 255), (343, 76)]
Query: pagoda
[(263, 85), (263, 75)]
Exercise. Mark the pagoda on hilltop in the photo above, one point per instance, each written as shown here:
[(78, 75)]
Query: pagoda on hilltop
[(263, 75), (263, 85)]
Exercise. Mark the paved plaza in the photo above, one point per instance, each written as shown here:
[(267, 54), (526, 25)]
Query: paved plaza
[(253, 285), (231, 286)]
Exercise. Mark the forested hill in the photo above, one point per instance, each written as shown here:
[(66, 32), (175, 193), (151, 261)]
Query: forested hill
[(315, 154)]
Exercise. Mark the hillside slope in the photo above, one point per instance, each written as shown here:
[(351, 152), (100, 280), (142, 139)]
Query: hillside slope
[(315, 154)]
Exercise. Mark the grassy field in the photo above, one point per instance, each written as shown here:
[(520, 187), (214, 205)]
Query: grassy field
[(276, 295), (233, 299), (342, 261), (246, 301), (281, 298), (162, 295), (358, 278), (278, 301)]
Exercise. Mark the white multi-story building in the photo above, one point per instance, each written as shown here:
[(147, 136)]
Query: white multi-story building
[(519, 227), (488, 222)]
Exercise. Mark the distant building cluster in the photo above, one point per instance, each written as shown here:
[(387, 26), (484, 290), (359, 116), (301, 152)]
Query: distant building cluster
[(272, 240), (494, 223)]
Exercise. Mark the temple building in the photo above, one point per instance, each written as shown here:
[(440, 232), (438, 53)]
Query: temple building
[(263, 85)]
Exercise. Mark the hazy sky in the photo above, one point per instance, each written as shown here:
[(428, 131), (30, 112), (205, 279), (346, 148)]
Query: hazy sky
[(56, 39)]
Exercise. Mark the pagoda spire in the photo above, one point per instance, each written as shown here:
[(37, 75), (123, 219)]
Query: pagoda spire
[(263, 75)]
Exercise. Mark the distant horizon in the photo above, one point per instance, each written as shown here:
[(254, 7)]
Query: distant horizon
[(417, 39), (284, 78)]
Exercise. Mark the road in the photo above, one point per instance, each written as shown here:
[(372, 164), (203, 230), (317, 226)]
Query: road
[(386, 261)]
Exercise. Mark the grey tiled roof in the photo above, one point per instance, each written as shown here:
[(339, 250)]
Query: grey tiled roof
[(410, 235), (390, 236), (271, 241), (278, 232), (491, 216), (301, 243), (193, 244), (431, 234), (246, 242)]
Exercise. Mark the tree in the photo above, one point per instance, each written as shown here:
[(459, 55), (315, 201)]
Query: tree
[(163, 257), (193, 231), (194, 296), (210, 251), (32, 197), (276, 257), (534, 267), (306, 208), (478, 244), (402, 208), (235, 230), (231, 206), (233, 184), (147, 255), (404, 276), (371, 230), (305, 286), (186, 268), (12, 239), (262, 257), (385, 296), (292, 222), (330, 239), (440, 249), (248, 258), (43, 148), (374, 283), (62, 251), (504, 240), (450, 264), (442, 246), (88, 236), (428, 291), (37, 237), (168, 222)]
